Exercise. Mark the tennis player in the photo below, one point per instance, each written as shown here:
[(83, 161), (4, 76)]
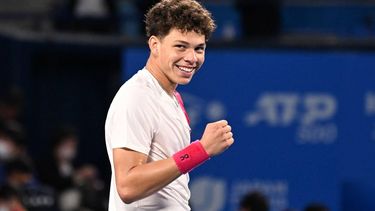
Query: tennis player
[(147, 128)]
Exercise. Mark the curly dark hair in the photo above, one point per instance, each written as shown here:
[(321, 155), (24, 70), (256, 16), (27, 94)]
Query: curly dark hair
[(184, 15)]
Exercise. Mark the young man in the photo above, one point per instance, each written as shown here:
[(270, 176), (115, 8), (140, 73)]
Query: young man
[(147, 129)]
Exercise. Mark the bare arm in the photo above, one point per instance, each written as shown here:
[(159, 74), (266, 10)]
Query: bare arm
[(136, 179)]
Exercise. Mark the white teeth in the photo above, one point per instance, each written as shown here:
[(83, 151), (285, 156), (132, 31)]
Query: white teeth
[(185, 69)]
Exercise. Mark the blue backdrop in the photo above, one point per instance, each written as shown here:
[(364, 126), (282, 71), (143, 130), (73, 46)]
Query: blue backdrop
[(303, 121)]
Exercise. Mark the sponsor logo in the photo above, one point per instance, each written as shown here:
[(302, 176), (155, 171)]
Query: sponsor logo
[(313, 114), (208, 193)]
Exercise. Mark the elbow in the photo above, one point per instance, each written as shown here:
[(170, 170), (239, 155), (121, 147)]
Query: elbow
[(127, 195)]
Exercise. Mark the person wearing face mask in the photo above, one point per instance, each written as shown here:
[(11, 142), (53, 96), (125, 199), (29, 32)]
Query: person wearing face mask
[(57, 168), (7, 148), (78, 185), (11, 146), (6, 153)]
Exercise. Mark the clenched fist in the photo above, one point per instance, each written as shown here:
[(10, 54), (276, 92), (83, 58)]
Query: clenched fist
[(217, 137)]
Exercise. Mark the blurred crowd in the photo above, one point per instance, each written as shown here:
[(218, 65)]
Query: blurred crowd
[(237, 20), (52, 181), (257, 18)]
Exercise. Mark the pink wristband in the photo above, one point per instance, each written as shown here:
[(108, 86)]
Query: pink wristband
[(190, 157)]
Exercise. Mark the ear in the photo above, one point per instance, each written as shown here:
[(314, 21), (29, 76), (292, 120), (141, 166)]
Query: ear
[(154, 45)]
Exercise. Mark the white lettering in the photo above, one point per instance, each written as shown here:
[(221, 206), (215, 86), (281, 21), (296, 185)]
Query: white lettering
[(316, 134), (282, 109), (319, 107), (274, 109)]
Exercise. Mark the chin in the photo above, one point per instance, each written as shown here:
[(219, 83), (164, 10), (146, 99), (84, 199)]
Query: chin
[(184, 82)]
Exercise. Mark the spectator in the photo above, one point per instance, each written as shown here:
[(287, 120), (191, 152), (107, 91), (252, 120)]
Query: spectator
[(254, 201), (57, 168), (11, 146), (91, 188), (77, 186), (316, 207), (10, 200), (34, 195)]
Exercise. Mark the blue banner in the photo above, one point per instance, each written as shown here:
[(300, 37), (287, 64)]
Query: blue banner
[(303, 123)]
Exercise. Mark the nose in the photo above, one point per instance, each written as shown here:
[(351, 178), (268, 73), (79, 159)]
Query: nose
[(191, 56)]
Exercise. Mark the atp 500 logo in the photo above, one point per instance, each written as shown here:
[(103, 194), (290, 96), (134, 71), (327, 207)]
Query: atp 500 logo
[(313, 114)]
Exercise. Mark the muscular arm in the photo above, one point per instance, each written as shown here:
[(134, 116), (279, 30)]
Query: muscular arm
[(136, 179)]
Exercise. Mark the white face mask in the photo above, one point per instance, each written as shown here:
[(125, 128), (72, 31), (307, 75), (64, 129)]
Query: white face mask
[(6, 151), (4, 208), (67, 153)]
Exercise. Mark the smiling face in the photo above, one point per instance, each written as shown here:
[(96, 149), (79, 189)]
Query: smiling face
[(175, 58)]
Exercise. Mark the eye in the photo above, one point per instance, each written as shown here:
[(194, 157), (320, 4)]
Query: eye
[(200, 49), (181, 47)]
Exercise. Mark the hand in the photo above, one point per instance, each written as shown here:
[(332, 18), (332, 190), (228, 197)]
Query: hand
[(217, 137)]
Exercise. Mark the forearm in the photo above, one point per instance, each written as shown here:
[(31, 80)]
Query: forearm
[(136, 179), (145, 179)]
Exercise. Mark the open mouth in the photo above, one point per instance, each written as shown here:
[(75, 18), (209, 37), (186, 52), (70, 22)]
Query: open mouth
[(186, 69)]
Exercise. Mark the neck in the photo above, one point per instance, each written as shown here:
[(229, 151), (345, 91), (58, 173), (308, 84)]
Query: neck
[(168, 86)]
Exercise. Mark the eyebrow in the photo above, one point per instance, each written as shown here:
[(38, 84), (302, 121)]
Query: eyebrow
[(186, 43)]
